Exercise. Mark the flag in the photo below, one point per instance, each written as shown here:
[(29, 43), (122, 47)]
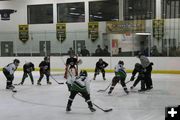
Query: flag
[(5, 13)]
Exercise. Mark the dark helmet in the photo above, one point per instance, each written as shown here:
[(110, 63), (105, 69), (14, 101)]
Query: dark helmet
[(139, 54), (121, 62), (46, 58), (83, 73), (137, 65), (100, 59), (71, 54), (16, 61)]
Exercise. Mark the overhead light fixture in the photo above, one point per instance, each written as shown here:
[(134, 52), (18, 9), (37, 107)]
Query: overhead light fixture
[(143, 33), (74, 13), (72, 8)]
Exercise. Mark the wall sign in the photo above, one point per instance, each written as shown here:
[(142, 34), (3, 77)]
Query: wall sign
[(23, 33), (93, 30), (61, 31)]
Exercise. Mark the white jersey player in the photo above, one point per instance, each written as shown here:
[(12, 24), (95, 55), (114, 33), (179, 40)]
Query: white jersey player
[(9, 73)]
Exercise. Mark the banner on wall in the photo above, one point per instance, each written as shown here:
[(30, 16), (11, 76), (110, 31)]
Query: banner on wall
[(123, 27), (158, 29), (61, 31), (23, 33), (93, 30), (115, 48)]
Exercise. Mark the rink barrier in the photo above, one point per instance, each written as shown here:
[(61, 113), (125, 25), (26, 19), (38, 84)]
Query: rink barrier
[(112, 71)]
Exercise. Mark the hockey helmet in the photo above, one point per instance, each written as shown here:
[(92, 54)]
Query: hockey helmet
[(121, 62), (100, 60), (71, 55), (46, 58), (83, 73), (139, 54), (16, 61), (137, 66)]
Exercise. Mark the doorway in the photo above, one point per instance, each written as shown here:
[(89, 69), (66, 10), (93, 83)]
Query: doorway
[(144, 40), (78, 45), (7, 48), (45, 48)]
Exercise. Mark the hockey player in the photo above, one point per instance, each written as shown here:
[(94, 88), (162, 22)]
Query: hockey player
[(71, 66), (141, 77), (79, 85), (28, 68), (147, 65), (44, 70), (9, 73), (100, 65), (120, 76)]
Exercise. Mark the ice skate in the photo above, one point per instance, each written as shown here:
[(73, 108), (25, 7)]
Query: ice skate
[(132, 87), (92, 109), (109, 92), (49, 83), (68, 109), (38, 83)]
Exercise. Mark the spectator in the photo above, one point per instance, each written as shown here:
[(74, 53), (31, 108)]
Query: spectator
[(154, 51), (98, 51), (146, 52), (85, 52), (71, 51), (105, 51)]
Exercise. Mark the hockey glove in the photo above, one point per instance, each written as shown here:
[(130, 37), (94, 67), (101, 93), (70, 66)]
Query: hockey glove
[(132, 78), (151, 63)]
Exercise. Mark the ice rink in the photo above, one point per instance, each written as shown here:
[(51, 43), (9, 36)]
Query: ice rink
[(48, 102)]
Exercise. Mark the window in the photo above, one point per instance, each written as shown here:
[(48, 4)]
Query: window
[(40, 14), (139, 9), (71, 12), (104, 10), (170, 9)]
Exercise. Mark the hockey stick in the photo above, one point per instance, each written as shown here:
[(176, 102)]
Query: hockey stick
[(105, 88), (104, 110), (16, 84), (109, 86), (128, 81), (56, 80)]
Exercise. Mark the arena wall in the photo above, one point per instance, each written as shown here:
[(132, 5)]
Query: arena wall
[(161, 64)]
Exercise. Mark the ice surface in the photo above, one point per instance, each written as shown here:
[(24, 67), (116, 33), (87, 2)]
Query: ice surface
[(48, 102)]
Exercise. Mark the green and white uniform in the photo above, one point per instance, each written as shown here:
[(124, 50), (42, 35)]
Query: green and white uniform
[(120, 71), (120, 76), (79, 84)]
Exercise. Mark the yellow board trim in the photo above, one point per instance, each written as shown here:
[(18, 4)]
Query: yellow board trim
[(111, 71)]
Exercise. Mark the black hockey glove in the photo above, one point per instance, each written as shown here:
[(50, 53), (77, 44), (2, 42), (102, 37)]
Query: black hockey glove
[(132, 78), (151, 63)]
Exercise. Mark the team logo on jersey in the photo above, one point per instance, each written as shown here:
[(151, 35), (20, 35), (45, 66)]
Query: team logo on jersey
[(5, 13)]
